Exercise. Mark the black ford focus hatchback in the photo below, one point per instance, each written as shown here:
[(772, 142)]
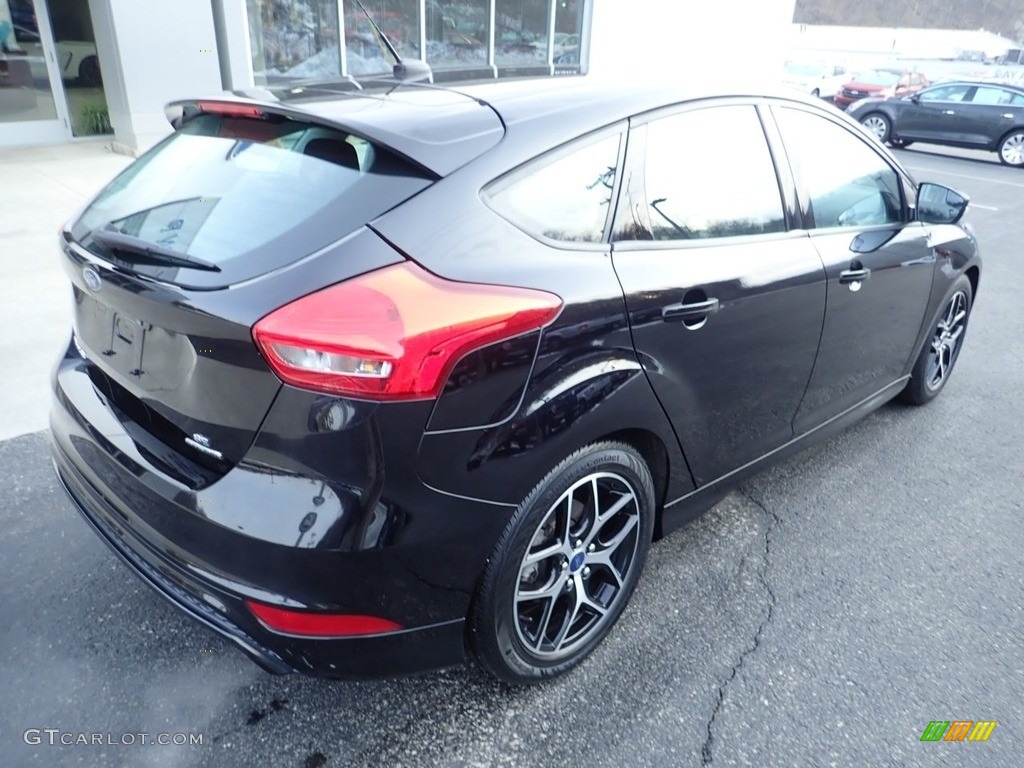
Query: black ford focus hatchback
[(367, 381)]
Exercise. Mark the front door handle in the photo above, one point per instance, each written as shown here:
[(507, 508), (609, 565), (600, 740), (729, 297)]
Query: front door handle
[(692, 311), (854, 275), (948, 112)]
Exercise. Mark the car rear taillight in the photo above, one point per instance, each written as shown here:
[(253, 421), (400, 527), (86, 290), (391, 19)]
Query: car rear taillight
[(311, 624), (395, 333)]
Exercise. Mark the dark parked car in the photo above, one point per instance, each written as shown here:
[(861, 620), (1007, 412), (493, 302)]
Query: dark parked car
[(364, 381), (882, 83), (986, 116)]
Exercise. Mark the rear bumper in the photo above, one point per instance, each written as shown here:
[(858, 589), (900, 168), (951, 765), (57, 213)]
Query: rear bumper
[(208, 565), (192, 599)]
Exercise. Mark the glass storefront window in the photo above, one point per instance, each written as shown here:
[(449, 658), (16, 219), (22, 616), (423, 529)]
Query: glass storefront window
[(457, 34), (299, 39), (79, 63), (398, 19), (294, 40), (25, 93), (521, 33), (568, 32)]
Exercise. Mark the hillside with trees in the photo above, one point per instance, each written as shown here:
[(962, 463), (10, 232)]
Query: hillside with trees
[(1004, 17)]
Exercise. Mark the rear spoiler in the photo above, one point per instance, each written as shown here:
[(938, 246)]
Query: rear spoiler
[(463, 129)]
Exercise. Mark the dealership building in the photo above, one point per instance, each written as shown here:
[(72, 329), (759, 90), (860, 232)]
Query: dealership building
[(73, 70)]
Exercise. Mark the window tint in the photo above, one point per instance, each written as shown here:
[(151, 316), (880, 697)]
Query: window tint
[(247, 195), (709, 173), (847, 182), (565, 196), (946, 93), (985, 95)]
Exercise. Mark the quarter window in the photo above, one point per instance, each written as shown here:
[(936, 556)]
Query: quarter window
[(562, 197), (709, 173), (846, 182)]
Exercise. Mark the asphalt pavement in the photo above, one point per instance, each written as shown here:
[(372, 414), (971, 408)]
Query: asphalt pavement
[(822, 615)]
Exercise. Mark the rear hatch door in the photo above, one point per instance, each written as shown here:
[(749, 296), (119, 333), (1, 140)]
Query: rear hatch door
[(179, 256)]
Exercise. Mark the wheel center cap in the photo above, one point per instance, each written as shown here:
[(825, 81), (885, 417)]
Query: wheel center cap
[(577, 562)]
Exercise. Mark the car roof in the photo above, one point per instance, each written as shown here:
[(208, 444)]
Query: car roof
[(443, 127)]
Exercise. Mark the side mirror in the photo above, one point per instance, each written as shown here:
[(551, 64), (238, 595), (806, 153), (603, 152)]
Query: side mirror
[(915, 98), (937, 204)]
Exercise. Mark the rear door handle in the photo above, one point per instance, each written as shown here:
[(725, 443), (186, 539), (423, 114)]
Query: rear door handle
[(854, 275), (948, 112), (689, 311)]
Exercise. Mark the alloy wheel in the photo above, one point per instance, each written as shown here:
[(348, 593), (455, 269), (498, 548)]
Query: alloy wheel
[(1011, 151), (878, 125), (946, 341), (574, 570)]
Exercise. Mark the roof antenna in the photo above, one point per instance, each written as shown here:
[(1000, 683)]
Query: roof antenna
[(410, 71)]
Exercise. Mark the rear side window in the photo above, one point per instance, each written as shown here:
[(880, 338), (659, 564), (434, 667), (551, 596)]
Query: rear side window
[(564, 196), (985, 95), (846, 182), (709, 173), (245, 195)]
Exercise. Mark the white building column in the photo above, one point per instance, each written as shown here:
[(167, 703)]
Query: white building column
[(150, 53), (231, 20)]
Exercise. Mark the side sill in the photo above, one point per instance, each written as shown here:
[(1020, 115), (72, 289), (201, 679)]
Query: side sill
[(690, 506)]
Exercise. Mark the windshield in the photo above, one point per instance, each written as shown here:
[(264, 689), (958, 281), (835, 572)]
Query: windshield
[(246, 195), (878, 77)]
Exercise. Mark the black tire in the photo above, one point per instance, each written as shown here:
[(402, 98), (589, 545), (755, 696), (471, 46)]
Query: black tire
[(522, 639), (89, 71), (878, 124), (899, 143), (942, 347), (1011, 149)]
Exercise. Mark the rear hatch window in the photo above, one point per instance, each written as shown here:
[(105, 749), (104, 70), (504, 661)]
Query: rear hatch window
[(227, 198)]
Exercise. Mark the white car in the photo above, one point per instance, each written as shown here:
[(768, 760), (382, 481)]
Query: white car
[(819, 79), (78, 61)]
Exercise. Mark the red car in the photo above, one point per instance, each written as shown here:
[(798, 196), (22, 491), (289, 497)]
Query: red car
[(880, 83)]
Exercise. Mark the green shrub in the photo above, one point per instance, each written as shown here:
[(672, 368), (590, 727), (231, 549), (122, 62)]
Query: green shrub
[(95, 118)]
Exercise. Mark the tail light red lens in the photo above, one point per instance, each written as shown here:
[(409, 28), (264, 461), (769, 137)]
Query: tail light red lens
[(393, 334), (313, 624)]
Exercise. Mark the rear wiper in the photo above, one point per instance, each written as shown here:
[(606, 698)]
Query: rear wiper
[(131, 248)]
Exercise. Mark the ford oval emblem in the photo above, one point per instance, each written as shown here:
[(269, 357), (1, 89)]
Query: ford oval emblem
[(92, 279)]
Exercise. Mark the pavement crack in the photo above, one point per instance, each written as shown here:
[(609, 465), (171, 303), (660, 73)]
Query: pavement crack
[(762, 574)]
